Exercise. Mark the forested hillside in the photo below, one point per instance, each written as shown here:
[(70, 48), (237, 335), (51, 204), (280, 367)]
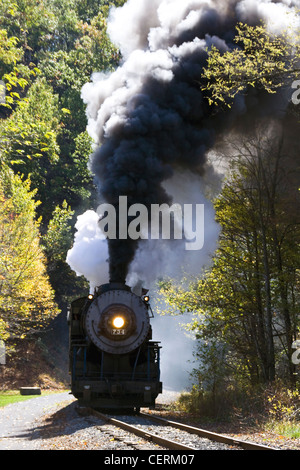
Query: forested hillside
[(48, 50)]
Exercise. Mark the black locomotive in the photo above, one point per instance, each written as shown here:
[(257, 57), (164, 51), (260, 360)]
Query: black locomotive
[(113, 361)]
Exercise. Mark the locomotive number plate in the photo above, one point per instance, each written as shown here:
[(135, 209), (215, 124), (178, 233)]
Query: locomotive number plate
[(118, 331)]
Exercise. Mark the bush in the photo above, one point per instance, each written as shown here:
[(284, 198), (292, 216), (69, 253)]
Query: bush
[(282, 404), (270, 406), (222, 404)]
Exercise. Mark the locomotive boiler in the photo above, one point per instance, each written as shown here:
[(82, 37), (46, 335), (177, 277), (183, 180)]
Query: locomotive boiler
[(113, 361)]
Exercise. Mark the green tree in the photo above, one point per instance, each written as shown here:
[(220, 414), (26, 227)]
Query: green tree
[(10, 53), (29, 138), (48, 51), (58, 237), (53, 50), (247, 302), (57, 240), (260, 60)]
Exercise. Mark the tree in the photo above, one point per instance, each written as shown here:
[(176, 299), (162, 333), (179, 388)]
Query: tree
[(26, 297), (29, 144), (48, 50), (10, 53), (57, 240), (53, 48), (247, 302), (260, 60)]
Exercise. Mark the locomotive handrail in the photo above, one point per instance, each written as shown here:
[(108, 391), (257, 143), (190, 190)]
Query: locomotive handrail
[(135, 363)]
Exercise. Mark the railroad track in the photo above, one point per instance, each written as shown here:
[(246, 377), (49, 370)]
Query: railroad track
[(210, 435), (155, 429)]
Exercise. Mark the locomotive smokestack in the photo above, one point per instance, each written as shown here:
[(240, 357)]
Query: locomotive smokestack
[(119, 256)]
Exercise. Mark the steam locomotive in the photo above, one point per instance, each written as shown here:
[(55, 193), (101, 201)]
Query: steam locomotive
[(113, 362)]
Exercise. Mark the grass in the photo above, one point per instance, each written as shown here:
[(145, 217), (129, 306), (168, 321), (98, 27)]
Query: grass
[(12, 396), (286, 428), (278, 417)]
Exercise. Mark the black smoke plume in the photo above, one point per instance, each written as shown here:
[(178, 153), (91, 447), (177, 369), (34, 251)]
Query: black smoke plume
[(150, 118)]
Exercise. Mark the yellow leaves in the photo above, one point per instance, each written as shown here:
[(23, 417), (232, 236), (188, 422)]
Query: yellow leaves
[(27, 300), (50, 134), (260, 60)]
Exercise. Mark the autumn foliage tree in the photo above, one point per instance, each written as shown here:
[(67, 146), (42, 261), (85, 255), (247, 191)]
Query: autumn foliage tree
[(259, 60), (246, 304), (48, 51), (26, 297)]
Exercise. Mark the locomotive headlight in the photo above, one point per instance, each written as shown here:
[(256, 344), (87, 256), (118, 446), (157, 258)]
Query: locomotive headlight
[(118, 322)]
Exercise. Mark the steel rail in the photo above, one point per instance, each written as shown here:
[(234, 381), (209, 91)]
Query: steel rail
[(246, 445), (145, 434)]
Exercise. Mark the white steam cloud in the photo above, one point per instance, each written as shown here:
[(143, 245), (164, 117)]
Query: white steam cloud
[(89, 254)]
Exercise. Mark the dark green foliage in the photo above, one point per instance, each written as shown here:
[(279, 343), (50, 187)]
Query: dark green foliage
[(48, 51)]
